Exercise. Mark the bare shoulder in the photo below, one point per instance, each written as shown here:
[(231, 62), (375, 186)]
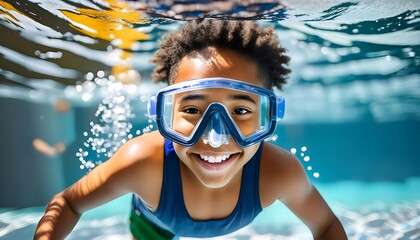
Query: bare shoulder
[(281, 174), (138, 165), (135, 167), (139, 158), (139, 150)]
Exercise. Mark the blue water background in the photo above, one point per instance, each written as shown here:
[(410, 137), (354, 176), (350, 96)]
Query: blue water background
[(353, 100)]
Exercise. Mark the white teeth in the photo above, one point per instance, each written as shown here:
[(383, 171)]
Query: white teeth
[(214, 159)]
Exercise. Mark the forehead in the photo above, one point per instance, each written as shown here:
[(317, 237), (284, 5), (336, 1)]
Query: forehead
[(216, 62)]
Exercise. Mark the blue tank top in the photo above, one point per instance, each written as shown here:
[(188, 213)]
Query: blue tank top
[(173, 216)]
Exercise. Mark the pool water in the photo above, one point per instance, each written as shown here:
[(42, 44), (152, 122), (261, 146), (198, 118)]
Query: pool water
[(383, 210), (74, 73)]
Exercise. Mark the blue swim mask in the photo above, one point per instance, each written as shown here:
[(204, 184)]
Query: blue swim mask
[(216, 110)]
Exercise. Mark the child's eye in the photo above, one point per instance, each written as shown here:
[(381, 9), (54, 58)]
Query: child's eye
[(240, 111), (191, 110)]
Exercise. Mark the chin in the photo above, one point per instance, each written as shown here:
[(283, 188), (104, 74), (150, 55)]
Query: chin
[(217, 180), (214, 184)]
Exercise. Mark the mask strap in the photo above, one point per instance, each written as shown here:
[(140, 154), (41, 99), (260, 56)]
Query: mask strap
[(151, 107), (280, 108)]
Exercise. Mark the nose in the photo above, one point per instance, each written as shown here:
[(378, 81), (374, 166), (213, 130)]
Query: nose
[(216, 132)]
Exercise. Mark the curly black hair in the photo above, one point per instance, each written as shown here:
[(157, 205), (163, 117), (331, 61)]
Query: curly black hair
[(247, 37)]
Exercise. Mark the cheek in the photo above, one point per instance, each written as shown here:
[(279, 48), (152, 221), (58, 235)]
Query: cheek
[(183, 126), (248, 127), (250, 151), (181, 151)]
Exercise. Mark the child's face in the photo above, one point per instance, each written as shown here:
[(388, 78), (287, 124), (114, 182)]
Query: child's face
[(226, 64)]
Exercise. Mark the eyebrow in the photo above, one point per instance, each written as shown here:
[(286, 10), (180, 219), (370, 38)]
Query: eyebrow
[(192, 97), (242, 97)]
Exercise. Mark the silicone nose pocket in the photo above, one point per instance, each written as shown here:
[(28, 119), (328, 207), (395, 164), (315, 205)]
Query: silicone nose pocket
[(216, 133)]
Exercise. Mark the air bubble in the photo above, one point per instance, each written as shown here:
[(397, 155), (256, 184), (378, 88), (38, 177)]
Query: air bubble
[(113, 127), (303, 149), (316, 175), (89, 76), (100, 74), (293, 150), (79, 88), (274, 138), (306, 158)]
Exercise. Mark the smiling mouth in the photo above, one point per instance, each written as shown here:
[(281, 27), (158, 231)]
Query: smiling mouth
[(215, 162), (215, 159)]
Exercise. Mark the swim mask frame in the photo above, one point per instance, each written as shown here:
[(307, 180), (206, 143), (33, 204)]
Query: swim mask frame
[(216, 113)]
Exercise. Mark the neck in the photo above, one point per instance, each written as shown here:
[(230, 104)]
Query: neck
[(191, 182)]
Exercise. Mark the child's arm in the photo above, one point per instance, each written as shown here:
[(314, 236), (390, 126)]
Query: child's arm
[(58, 220), (315, 213), (293, 188), (65, 209), (122, 173)]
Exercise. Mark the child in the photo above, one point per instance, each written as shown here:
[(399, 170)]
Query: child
[(207, 172)]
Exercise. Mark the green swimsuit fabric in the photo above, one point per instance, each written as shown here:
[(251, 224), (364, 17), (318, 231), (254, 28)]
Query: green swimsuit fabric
[(142, 229)]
